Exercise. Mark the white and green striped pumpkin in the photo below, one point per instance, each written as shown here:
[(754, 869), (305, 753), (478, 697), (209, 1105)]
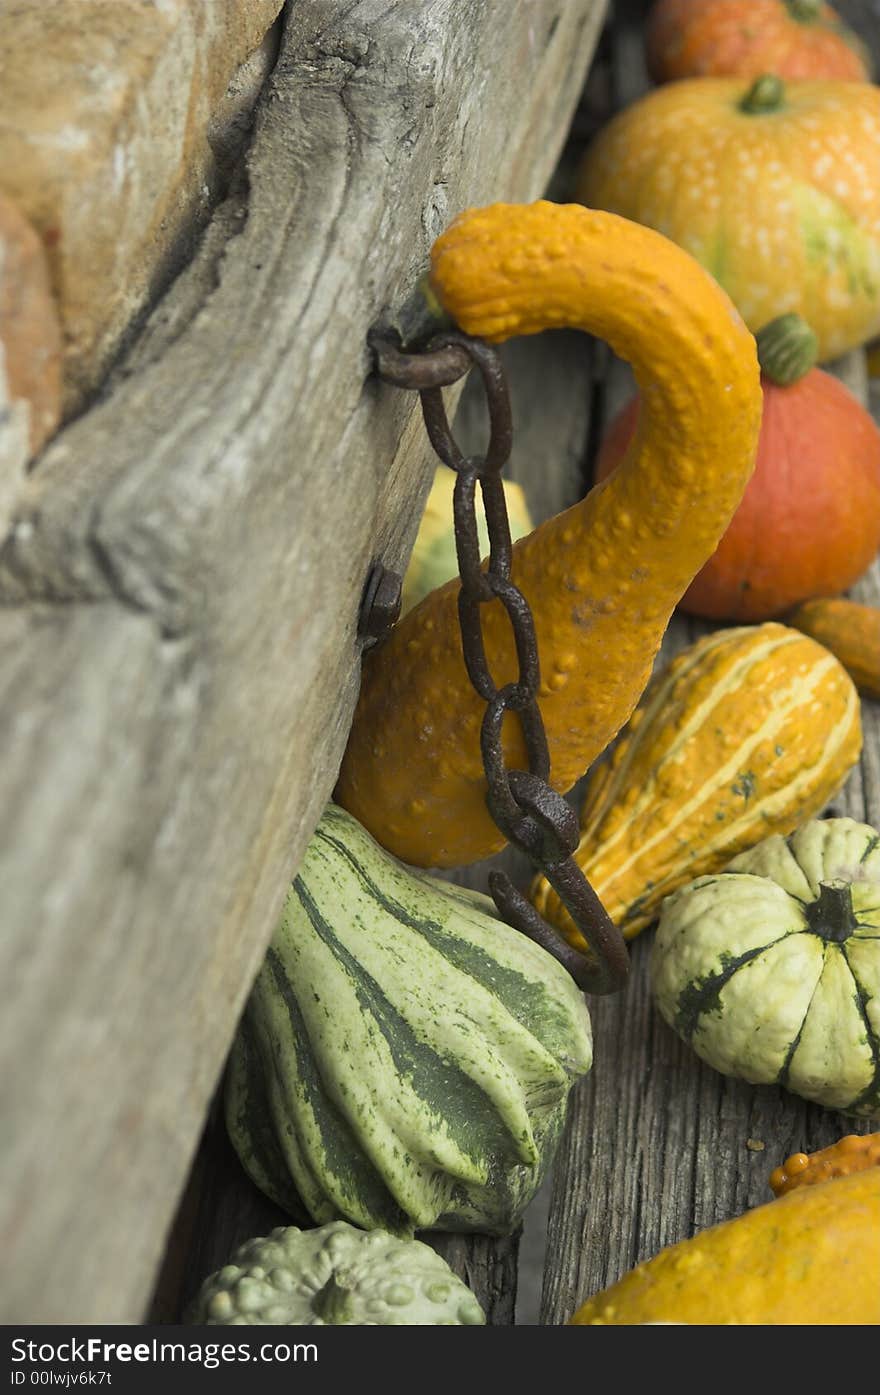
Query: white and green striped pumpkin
[(771, 968), (748, 732), (405, 1057)]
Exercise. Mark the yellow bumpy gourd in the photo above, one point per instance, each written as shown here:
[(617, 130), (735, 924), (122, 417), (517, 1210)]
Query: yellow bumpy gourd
[(809, 1258)]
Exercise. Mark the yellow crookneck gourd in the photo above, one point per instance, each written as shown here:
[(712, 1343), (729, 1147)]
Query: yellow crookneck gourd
[(603, 577)]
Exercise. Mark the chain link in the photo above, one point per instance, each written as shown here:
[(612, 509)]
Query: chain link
[(527, 810)]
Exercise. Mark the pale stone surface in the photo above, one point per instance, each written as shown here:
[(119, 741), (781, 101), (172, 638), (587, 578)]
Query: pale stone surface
[(30, 375), (105, 113)]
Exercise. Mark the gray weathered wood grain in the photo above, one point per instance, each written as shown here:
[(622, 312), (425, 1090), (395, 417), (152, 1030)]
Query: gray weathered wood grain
[(180, 591), (550, 379)]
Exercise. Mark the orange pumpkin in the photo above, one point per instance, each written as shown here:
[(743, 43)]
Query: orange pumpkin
[(745, 38), (773, 188), (809, 522)]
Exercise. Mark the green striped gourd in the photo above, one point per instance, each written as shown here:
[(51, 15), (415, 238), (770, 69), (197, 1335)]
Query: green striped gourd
[(405, 1058), (771, 969), (748, 732)]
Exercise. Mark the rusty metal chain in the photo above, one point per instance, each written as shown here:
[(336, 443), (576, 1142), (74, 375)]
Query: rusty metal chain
[(527, 810)]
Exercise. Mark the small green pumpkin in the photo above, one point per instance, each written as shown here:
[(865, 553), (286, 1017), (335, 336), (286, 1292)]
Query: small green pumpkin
[(771, 969), (405, 1058), (338, 1276)]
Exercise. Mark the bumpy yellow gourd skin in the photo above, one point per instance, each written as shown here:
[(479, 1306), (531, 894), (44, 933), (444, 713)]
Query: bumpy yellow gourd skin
[(809, 1258), (848, 1155), (602, 578)]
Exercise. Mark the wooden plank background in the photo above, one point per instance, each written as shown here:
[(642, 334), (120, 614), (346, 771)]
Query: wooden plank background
[(551, 379), (180, 665), (656, 1145), (179, 592)]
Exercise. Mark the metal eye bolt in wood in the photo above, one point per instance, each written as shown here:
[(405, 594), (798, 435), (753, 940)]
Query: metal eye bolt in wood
[(380, 606)]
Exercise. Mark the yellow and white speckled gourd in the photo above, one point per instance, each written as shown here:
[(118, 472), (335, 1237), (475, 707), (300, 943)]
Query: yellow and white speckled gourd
[(433, 559), (772, 187)]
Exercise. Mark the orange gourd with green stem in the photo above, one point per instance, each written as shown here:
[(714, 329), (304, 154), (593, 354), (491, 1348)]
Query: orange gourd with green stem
[(772, 187), (602, 578), (809, 521), (745, 38)]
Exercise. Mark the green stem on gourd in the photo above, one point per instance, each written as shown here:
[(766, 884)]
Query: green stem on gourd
[(805, 11), (420, 316), (831, 915), (787, 349), (333, 1302), (765, 95)]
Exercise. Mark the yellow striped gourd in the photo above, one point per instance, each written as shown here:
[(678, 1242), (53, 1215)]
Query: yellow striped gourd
[(748, 732), (433, 560)]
